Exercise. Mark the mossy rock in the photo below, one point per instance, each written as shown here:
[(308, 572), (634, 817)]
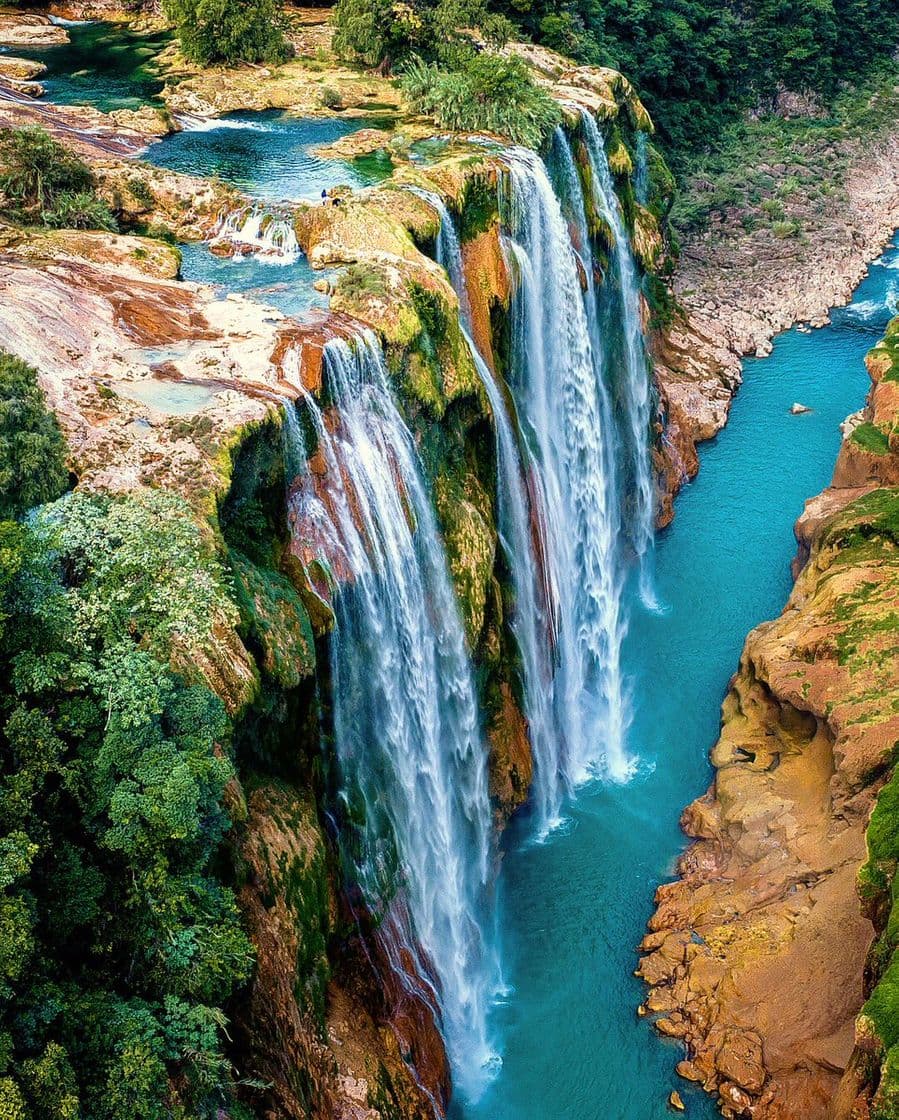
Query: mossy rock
[(274, 620), (465, 511)]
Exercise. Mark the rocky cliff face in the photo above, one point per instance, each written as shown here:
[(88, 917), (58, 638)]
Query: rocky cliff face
[(756, 955)]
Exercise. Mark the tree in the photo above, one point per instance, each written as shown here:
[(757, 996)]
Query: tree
[(229, 31), (119, 942), (35, 168), (46, 183), (488, 92), (32, 449)]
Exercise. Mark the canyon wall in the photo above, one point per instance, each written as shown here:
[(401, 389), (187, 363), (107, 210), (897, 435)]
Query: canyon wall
[(778, 928)]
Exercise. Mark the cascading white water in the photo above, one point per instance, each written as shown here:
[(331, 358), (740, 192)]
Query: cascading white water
[(517, 524), (559, 386), (417, 830), (641, 169), (256, 231), (635, 384)]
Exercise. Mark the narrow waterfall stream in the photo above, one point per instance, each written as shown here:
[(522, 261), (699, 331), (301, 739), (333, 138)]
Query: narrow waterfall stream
[(415, 815), (559, 384), (631, 380)]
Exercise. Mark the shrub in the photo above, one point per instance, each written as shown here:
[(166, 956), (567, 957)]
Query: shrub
[(32, 449), (229, 31), (376, 32), (785, 229), (383, 33), (79, 210), (330, 98), (36, 169), (141, 192), (488, 92)]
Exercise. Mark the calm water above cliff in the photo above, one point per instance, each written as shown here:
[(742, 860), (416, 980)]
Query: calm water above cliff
[(574, 908), (270, 155), (104, 65)]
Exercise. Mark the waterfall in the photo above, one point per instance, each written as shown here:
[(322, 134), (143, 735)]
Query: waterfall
[(641, 170), (517, 523), (449, 250), (414, 805), (256, 231), (558, 382), (635, 385)]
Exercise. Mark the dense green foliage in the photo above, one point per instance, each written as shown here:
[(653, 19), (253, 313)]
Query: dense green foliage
[(485, 93), (698, 64), (44, 182), (32, 450), (229, 31), (766, 170), (118, 943), (444, 72)]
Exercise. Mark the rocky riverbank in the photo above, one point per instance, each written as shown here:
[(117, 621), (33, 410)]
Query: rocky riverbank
[(738, 287), (757, 956)]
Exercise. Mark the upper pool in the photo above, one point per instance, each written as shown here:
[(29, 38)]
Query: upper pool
[(104, 65), (270, 155)]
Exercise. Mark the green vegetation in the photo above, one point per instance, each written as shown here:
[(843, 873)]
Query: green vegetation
[(44, 183), (119, 945), (487, 92), (388, 33), (32, 450), (229, 31), (700, 66), (767, 169), (871, 438), (443, 72)]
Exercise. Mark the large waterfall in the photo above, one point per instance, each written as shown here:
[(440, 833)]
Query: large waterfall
[(574, 506), (416, 820), (558, 380)]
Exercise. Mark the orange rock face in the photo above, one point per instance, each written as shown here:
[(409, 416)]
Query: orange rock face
[(488, 284), (756, 953)]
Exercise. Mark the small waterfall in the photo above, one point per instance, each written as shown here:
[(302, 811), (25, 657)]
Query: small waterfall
[(416, 819), (635, 385), (558, 382), (641, 170), (449, 250), (256, 231)]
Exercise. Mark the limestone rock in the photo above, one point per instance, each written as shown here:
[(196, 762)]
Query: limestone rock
[(26, 29)]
